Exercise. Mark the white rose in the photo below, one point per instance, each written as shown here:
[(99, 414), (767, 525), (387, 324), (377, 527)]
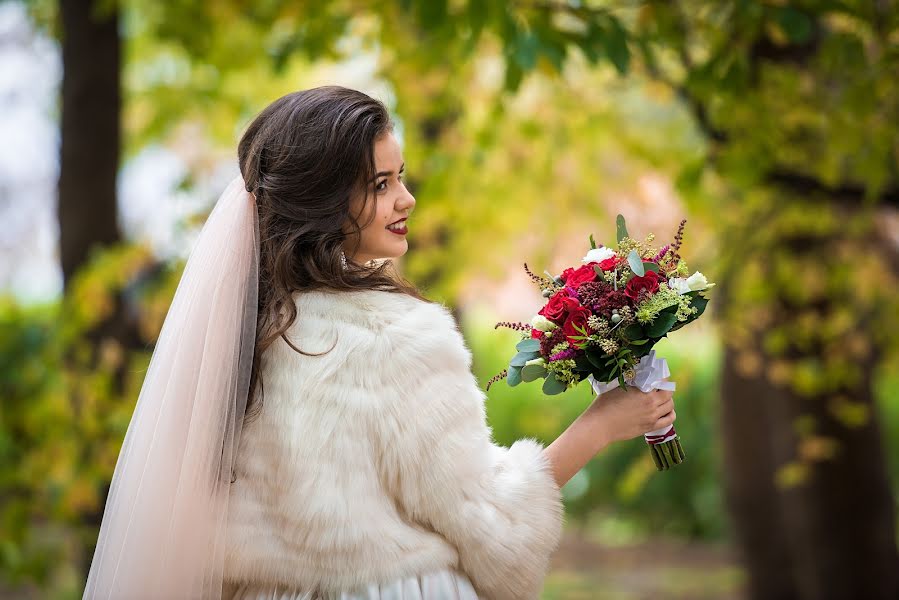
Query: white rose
[(598, 254), (542, 323), (697, 281), (536, 361), (679, 285)]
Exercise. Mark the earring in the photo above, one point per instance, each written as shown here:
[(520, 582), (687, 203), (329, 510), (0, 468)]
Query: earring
[(343, 260)]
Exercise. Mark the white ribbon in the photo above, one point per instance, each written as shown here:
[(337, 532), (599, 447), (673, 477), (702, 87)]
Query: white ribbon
[(649, 374)]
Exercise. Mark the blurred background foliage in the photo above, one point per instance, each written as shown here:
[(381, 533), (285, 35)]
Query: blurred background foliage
[(771, 126)]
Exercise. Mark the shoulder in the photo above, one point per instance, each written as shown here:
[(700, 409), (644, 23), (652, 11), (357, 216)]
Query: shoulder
[(384, 318), (395, 330)]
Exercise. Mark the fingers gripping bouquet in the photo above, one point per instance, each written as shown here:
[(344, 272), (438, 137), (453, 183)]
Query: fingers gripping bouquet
[(602, 319)]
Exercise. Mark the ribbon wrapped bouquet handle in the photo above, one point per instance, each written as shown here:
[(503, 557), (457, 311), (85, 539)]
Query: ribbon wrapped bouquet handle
[(649, 374)]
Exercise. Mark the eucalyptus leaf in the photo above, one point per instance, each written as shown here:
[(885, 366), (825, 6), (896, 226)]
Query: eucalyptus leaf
[(636, 263), (552, 386), (660, 326), (513, 378), (622, 228), (522, 357), (532, 372), (528, 345), (650, 266)]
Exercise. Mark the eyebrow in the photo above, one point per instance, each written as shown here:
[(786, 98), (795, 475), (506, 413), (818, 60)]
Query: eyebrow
[(387, 173)]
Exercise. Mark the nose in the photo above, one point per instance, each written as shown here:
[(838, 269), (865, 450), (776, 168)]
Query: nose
[(406, 201)]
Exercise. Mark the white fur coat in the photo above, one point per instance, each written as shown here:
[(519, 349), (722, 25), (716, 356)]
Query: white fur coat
[(375, 461)]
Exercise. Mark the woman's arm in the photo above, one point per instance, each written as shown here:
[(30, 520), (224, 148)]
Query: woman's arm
[(583, 439), (615, 415)]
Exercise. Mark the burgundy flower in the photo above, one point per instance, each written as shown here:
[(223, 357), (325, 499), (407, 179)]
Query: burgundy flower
[(612, 300), (610, 263), (549, 342), (559, 305), (647, 284), (576, 318), (575, 277)]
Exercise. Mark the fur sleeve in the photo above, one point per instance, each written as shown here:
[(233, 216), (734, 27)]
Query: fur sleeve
[(499, 506)]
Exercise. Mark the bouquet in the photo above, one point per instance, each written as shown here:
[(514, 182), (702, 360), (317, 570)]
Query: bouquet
[(602, 319)]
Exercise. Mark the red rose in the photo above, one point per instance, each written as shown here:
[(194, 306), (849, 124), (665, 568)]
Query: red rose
[(559, 305), (610, 263), (536, 333), (575, 277), (578, 317), (649, 282)]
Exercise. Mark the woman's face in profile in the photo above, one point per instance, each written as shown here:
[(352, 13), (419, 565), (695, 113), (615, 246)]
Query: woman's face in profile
[(385, 236)]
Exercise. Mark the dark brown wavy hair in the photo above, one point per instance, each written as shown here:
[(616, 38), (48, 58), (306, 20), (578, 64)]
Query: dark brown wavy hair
[(304, 156)]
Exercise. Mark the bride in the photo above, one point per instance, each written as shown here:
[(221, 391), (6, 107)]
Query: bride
[(309, 425)]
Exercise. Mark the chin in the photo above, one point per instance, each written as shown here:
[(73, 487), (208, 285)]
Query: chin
[(389, 252), (396, 250)]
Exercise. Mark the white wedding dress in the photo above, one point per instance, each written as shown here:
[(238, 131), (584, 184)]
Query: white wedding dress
[(445, 584)]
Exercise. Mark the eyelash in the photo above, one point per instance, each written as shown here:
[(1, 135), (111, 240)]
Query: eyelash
[(378, 187)]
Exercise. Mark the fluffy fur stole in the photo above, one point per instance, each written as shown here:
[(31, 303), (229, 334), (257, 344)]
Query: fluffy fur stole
[(375, 461)]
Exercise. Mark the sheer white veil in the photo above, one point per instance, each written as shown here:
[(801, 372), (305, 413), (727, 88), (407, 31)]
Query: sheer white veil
[(163, 529)]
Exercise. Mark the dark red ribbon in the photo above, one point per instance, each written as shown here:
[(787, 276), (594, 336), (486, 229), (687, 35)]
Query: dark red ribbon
[(656, 439)]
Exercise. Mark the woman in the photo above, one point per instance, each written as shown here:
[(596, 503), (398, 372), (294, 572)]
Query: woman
[(346, 453)]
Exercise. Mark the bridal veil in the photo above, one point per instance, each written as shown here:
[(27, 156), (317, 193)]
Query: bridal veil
[(162, 534)]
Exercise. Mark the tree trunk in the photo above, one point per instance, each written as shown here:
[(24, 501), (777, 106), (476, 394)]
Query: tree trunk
[(750, 493), (90, 133), (831, 535)]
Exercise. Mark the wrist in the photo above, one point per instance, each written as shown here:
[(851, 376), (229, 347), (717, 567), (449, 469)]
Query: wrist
[(595, 420)]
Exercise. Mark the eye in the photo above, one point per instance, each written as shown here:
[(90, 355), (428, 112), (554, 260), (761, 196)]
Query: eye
[(381, 185)]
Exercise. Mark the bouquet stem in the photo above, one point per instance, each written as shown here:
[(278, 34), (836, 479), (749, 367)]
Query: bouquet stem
[(668, 453), (650, 374)]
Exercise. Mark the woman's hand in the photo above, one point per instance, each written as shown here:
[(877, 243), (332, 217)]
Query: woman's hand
[(613, 416), (627, 414)]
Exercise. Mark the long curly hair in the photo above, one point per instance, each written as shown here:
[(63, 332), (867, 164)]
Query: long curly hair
[(304, 156)]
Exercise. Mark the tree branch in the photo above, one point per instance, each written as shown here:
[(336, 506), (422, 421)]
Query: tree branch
[(805, 184)]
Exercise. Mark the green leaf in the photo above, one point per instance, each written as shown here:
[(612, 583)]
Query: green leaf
[(636, 263), (532, 372), (637, 342), (660, 326), (552, 386), (592, 242), (522, 357), (614, 43), (795, 23), (594, 358), (528, 345), (525, 51), (650, 266), (513, 378), (700, 303), (582, 363), (622, 228), (513, 77), (633, 331)]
